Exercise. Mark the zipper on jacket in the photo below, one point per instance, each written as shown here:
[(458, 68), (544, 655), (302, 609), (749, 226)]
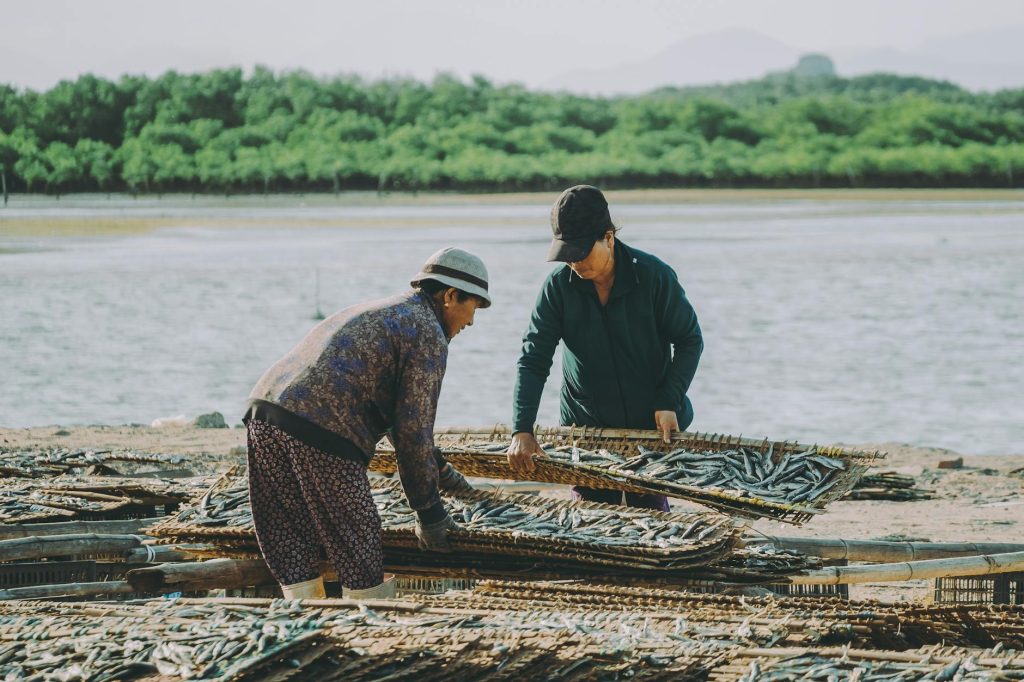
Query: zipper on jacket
[(615, 364)]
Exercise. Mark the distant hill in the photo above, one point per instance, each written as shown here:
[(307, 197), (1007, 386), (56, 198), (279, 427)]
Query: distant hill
[(723, 57), (801, 81), (742, 55)]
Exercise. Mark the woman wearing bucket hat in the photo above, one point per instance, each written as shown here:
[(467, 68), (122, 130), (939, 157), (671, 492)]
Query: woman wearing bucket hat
[(316, 415), (631, 339)]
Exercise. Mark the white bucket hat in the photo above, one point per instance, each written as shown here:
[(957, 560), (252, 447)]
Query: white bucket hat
[(459, 269)]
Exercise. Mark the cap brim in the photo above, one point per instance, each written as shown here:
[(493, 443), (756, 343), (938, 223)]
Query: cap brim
[(465, 287), (571, 251)]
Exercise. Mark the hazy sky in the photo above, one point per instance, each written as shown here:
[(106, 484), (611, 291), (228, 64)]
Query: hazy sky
[(528, 41)]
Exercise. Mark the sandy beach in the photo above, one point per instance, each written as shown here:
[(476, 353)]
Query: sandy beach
[(981, 502)]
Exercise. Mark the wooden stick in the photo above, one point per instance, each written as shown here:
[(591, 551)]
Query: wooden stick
[(22, 530), (911, 570), (877, 551), (226, 574), (69, 590), (66, 545)]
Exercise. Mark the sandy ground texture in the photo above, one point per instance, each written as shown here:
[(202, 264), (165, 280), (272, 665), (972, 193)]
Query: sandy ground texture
[(981, 502)]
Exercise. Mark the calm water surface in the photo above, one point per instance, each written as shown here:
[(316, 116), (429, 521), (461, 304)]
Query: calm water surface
[(824, 320)]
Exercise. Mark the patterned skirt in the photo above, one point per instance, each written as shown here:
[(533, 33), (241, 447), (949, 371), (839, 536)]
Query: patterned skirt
[(307, 504)]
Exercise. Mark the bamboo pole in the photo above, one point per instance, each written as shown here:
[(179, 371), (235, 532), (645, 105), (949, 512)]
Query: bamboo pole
[(911, 570), (215, 574), (66, 545), (376, 604), (158, 554), (878, 551), (68, 590), (21, 530)]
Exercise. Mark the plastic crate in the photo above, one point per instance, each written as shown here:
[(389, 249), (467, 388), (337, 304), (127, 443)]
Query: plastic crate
[(1001, 588), (790, 590), (28, 574)]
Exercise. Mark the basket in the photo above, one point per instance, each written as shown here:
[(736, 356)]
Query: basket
[(455, 442), (1000, 588)]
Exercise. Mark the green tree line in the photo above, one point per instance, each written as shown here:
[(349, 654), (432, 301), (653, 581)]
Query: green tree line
[(228, 131)]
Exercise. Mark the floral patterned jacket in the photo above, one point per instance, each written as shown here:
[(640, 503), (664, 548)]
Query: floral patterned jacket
[(367, 370)]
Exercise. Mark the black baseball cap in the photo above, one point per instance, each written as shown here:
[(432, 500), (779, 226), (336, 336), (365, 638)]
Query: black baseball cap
[(578, 219)]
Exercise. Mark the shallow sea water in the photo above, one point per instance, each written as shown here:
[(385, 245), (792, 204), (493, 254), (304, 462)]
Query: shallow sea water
[(824, 320)]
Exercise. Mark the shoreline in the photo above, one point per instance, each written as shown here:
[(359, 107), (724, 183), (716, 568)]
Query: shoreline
[(434, 197), (981, 502), (40, 216)]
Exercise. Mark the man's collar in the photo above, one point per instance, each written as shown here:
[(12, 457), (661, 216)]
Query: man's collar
[(626, 276)]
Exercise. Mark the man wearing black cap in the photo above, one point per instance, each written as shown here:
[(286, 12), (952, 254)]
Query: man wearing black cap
[(632, 341)]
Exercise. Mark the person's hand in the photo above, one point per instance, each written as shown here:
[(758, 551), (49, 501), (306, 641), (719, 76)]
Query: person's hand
[(667, 422), (451, 481), (520, 453), (433, 537)]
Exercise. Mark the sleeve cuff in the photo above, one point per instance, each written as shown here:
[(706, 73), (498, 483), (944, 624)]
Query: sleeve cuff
[(432, 514), (445, 473), (663, 401)]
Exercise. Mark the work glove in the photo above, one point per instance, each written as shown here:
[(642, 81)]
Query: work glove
[(433, 537), (451, 481)]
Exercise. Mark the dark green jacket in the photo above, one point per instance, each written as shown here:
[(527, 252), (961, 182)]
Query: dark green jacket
[(623, 361)]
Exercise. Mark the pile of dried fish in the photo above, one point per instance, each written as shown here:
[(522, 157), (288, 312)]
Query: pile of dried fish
[(793, 478), (755, 479), (230, 641), (887, 485), (509, 631), (48, 462), (28, 504), (66, 499), (818, 621), (496, 528), (174, 641), (812, 666), (152, 491), (759, 564)]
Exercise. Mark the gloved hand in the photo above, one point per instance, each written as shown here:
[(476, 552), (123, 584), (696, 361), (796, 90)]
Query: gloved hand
[(451, 481), (433, 537)]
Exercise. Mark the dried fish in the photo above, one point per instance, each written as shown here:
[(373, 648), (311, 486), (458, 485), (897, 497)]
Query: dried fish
[(796, 478)]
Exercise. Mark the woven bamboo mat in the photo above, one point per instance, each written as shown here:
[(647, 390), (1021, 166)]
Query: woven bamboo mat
[(867, 624), (571, 533), (507, 631), (204, 639), (460, 445), (755, 665)]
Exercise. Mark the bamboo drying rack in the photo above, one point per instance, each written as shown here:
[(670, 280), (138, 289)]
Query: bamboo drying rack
[(237, 540), (455, 442)]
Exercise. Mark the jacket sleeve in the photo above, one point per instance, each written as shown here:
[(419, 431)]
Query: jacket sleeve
[(677, 322), (539, 343), (419, 386)]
